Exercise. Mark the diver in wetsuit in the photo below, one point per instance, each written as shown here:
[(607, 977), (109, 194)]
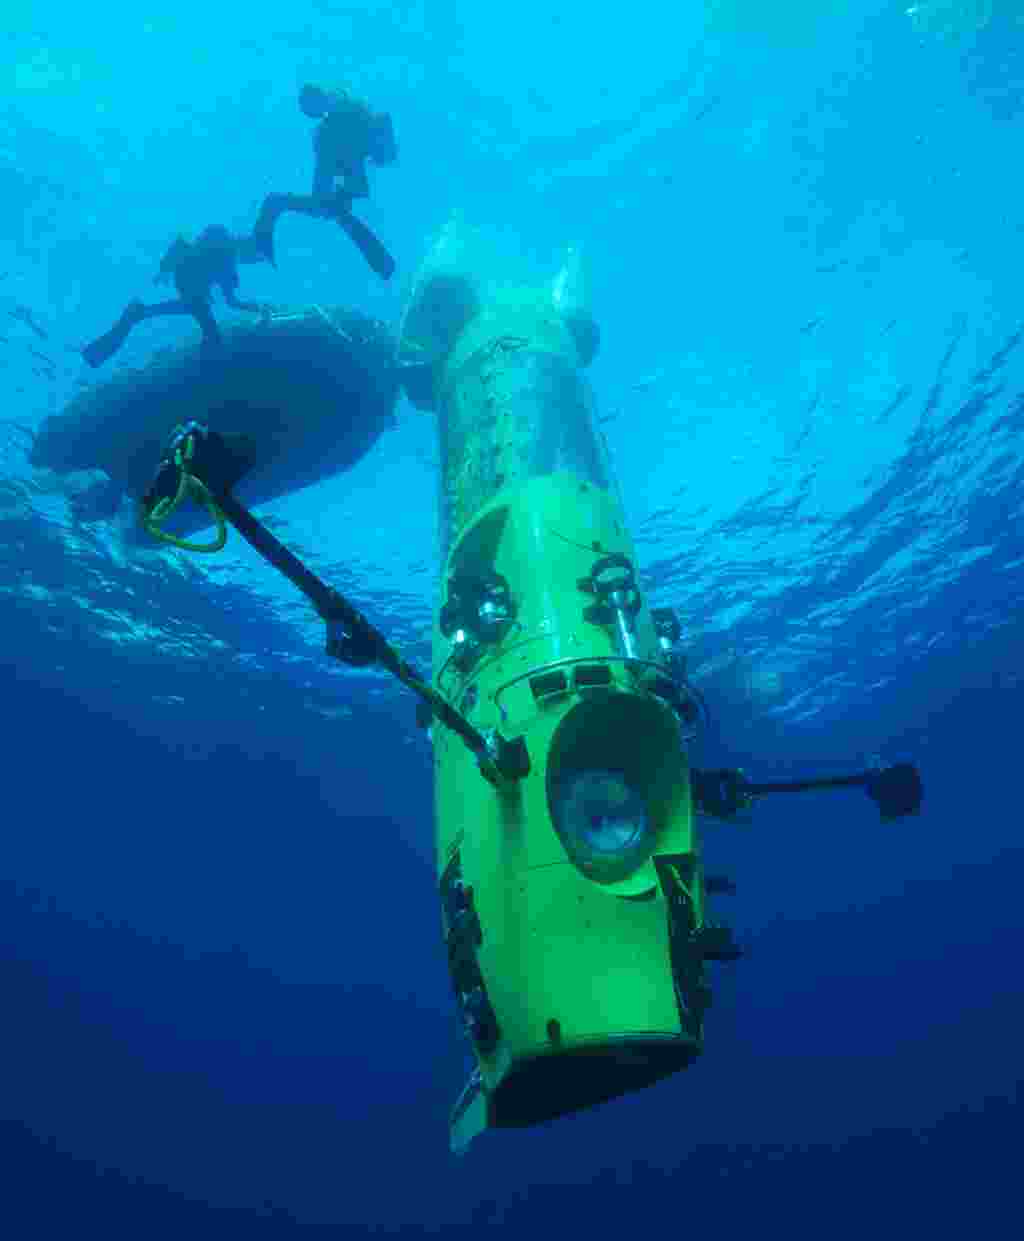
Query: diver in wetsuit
[(348, 135), (195, 267)]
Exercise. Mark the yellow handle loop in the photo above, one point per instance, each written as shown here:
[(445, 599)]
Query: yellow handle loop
[(188, 485)]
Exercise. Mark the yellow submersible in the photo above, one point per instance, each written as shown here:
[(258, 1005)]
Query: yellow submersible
[(572, 898)]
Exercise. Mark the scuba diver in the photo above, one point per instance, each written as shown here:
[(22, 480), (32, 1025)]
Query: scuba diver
[(348, 135), (195, 267)]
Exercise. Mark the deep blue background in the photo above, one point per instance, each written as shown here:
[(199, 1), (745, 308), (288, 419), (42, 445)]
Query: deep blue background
[(223, 1003), (862, 1065)]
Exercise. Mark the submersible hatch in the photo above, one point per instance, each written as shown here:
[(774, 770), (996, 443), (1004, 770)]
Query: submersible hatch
[(573, 898), (312, 388)]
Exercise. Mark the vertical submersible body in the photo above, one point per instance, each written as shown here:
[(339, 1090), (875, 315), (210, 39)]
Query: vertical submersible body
[(572, 898)]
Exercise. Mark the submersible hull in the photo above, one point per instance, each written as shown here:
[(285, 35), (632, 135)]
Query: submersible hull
[(569, 897)]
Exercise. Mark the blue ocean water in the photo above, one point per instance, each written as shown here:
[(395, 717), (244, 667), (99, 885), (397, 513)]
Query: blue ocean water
[(225, 1009)]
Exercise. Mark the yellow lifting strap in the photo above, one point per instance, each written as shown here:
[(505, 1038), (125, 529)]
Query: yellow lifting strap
[(188, 486)]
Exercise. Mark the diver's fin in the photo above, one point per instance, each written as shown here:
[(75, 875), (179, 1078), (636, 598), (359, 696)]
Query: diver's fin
[(103, 348), (261, 241), (368, 243)]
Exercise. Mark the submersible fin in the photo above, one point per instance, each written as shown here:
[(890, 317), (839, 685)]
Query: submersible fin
[(469, 1115)]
